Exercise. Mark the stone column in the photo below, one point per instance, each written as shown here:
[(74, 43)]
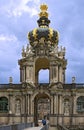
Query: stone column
[(63, 75), (60, 105), (50, 74), (28, 103), (11, 108), (24, 73), (25, 109), (52, 105), (60, 74), (13, 104), (25, 104), (54, 72), (22, 106), (20, 74), (74, 109), (27, 73), (60, 109), (55, 105), (57, 73), (75, 105), (31, 107), (31, 73)]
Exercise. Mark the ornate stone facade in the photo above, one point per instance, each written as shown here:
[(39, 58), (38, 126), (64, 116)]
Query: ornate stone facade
[(30, 100)]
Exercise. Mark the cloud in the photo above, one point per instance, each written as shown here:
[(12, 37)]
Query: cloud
[(17, 18), (20, 7), (9, 51), (68, 19), (14, 24)]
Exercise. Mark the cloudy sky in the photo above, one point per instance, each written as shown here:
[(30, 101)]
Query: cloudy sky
[(18, 17)]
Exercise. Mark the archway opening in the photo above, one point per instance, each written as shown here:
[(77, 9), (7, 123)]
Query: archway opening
[(42, 66), (43, 76), (41, 108)]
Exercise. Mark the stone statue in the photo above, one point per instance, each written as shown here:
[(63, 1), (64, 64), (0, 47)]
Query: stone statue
[(66, 107)]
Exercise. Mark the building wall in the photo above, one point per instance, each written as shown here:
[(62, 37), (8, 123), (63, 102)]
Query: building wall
[(63, 105)]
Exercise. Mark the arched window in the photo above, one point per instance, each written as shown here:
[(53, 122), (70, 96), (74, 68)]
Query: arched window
[(44, 76), (3, 104), (80, 104)]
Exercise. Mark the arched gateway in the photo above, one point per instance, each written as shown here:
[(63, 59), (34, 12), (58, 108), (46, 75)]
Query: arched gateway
[(44, 53), (41, 106)]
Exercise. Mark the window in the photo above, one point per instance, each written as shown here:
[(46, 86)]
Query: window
[(80, 104), (3, 104)]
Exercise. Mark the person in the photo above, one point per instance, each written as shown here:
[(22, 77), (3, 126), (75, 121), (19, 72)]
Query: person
[(44, 122)]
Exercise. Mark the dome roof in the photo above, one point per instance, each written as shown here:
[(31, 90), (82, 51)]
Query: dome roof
[(47, 33), (43, 31)]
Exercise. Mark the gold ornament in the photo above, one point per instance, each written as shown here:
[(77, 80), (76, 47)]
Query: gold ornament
[(43, 7), (50, 33), (34, 33), (43, 12)]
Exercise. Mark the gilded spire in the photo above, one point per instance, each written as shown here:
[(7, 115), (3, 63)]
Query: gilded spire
[(43, 12)]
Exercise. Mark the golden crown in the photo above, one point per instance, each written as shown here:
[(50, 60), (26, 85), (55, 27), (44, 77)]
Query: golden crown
[(44, 7), (43, 12)]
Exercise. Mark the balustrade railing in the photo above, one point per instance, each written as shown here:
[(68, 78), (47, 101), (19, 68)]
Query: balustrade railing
[(21, 126), (61, 127)]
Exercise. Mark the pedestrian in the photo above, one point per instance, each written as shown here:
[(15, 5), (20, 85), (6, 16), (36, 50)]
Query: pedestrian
[(44, 122)]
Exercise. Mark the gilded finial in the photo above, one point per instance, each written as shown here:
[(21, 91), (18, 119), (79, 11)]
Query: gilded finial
[(43, 12), (43, 7)]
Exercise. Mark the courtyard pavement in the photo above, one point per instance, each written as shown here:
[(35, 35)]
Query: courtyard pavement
[(34, 128), (39, 128)]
